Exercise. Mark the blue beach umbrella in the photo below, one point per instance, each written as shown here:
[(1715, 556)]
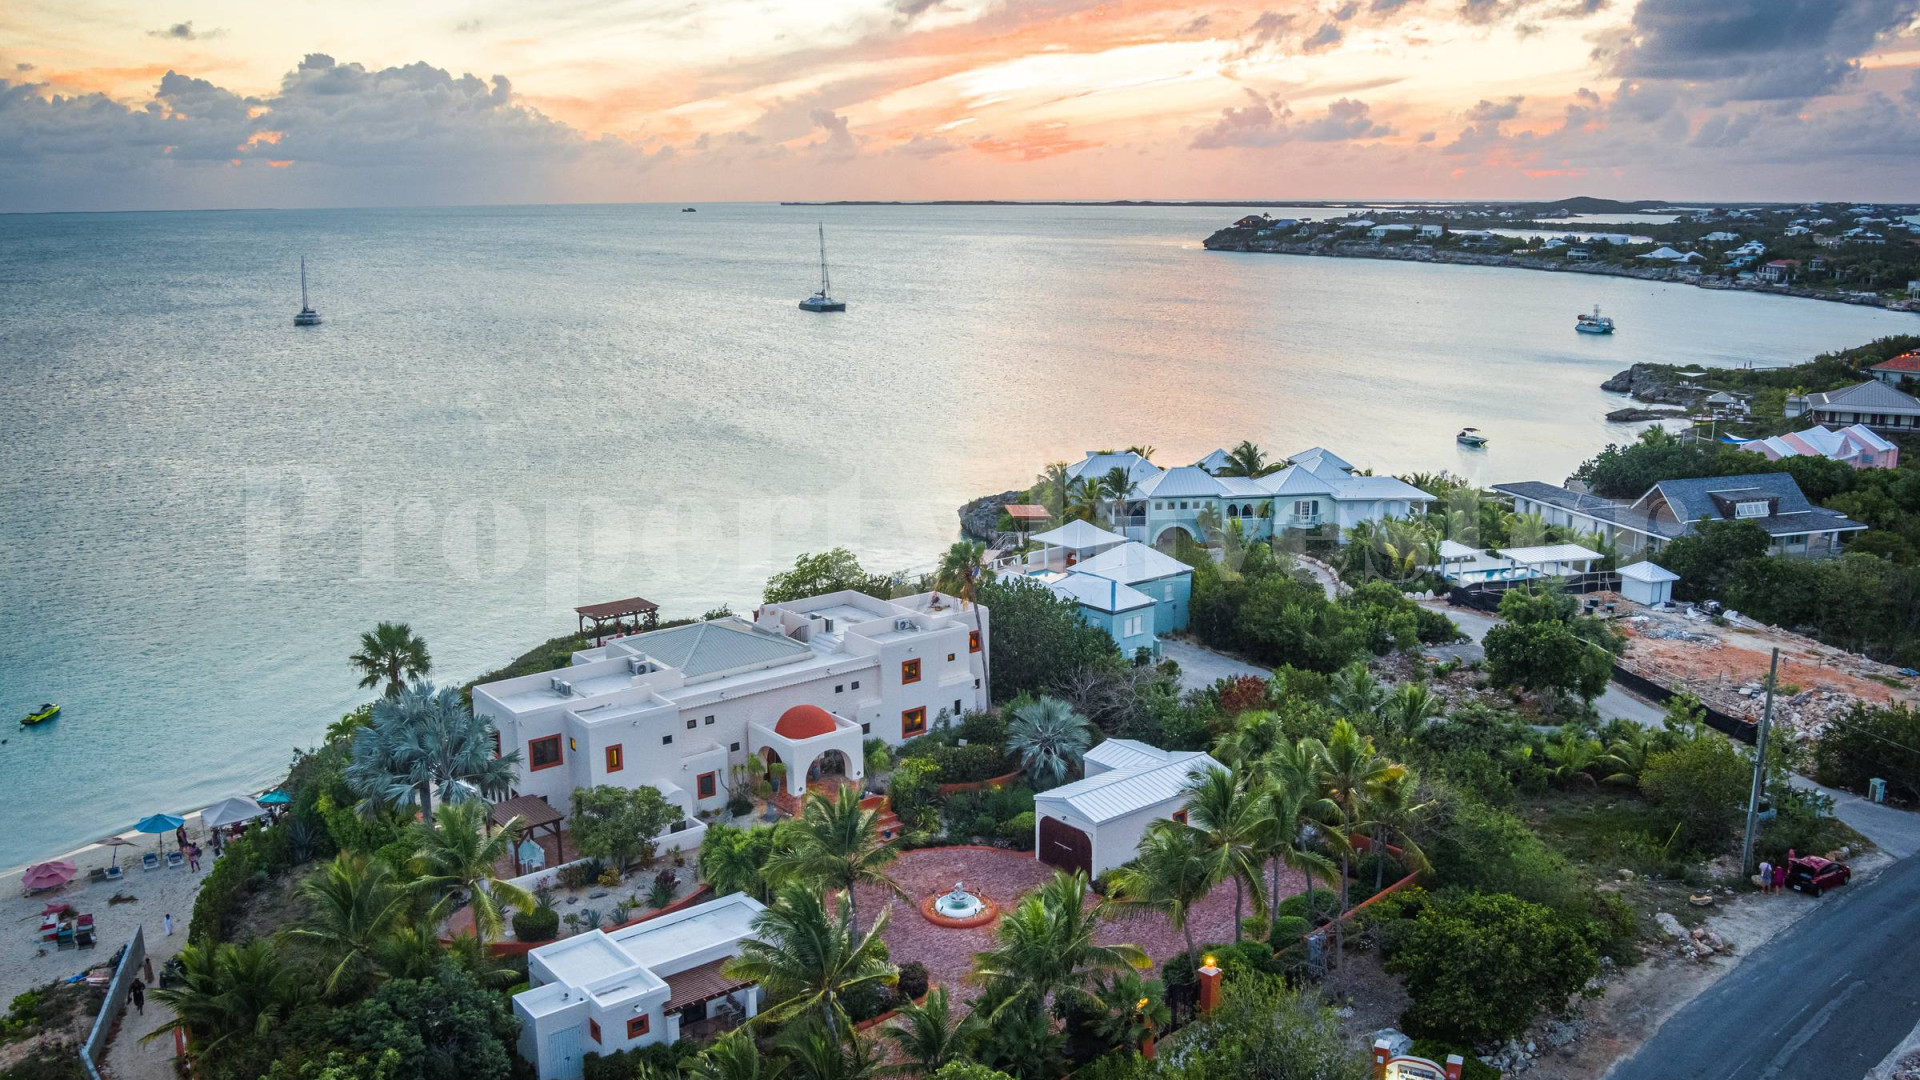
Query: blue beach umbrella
[(160, 824), (274, 798)]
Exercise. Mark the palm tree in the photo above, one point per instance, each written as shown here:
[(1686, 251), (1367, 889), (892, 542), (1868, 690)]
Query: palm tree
[(1119, 484), (1229, 821), (837, 844), (1144, 451), (1293, 808), (1044, 948), (393, 652), (1355, 693), (806, 957), (960, 572), (1171, 873), (1574, 756), (730, 861), (423, 740), (1627, 757), (1255, 735), (1409, 708), (1395, 816), (459, 857), (929, 1035), (228, 992), (817, 1054), (353, 904), (1051, 487), (1049, 738), (1086, 498), (1350, 772), (733, 1056), (1132, 1008), (1246, 459)]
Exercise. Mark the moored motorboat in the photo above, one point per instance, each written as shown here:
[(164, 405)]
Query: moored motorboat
[(1470, 437), (45, 712), (1595, 323)]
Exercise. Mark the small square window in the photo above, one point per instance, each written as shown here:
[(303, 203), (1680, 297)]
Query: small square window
[(949, 658), (866, 729), (855, 684), (957, 710), (909, 671), (913, 722), (666, 740), (1180, 816), (615, 760), (638, 1026), (839, 688), (543, 753), (692, 723), (733, 748), (705, 786), (708, 720)]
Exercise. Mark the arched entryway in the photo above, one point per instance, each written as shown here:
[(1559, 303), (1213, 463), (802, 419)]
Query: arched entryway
[(1064, 846), (1170, 535), (830, 765)]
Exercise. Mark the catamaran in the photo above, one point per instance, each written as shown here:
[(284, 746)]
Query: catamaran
[(1595, 323), (823, 300), (307, 316)]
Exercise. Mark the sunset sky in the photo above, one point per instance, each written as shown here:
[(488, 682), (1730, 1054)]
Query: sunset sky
[(106, 104)]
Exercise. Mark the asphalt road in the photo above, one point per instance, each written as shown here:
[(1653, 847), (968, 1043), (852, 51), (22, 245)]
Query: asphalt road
[(1827, 999)]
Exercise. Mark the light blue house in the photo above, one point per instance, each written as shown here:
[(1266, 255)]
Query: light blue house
[(1124, 612), (1167, 580)]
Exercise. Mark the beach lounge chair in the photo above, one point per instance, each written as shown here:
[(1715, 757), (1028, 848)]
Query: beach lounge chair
[(83, 937), (115, 873), (174, 861), (149, 861), (65, 937), (98, 873)]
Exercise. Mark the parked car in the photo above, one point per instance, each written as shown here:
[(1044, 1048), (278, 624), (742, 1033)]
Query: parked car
[(1813, 875)]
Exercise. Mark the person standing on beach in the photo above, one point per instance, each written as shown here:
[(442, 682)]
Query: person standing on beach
[(147, 962), (167, 921), (139, 996)]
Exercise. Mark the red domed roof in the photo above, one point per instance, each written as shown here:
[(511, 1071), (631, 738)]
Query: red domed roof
[(804, 722)]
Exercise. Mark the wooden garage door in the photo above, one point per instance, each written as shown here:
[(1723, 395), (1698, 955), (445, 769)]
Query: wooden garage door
[(1064, 846)]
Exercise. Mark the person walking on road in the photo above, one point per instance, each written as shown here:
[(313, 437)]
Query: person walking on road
[(1766, 876), (1779, 877), (139, 996)]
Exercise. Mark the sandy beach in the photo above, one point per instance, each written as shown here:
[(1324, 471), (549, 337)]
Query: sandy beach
[(150, 895)]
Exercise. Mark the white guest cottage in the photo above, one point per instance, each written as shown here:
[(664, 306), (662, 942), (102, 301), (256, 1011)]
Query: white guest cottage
[(651, 982), (1096, 823)]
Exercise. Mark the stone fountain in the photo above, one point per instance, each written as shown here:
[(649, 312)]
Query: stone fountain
[(959, 908)]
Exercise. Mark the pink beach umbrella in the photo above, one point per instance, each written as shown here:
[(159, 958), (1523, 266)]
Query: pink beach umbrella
[(117, 842), (48, 875)]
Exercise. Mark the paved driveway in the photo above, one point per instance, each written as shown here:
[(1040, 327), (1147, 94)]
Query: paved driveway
[(1201, 667)]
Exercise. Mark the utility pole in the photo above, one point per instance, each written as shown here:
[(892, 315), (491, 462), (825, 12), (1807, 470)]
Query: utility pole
[(1759, 766)]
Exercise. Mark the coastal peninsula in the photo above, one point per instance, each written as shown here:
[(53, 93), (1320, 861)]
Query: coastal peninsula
[(1864, 254)]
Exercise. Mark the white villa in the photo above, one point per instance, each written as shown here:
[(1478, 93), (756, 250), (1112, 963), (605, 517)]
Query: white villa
[(649, 982), (1095, 824), (802, 683), (1314, 488)]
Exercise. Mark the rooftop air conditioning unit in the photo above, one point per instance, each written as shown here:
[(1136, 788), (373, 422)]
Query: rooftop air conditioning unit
[(638, 666), (562, 687), (827, 625), (903, 624)]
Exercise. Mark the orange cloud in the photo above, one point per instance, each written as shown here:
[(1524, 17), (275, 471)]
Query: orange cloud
[(278, 164), (1032, 146)]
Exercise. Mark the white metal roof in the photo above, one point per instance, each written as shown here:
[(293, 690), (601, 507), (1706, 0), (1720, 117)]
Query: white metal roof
[(1099, 593), (1549, 553), (1132, 562), (1079, 535), (1119, 792), (1187, 480), (1650, 573), (1450, 549), (1127, 754)]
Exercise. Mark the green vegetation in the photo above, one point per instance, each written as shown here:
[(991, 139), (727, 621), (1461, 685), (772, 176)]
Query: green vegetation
[(618, 824), (1482, 967), (829, 571)]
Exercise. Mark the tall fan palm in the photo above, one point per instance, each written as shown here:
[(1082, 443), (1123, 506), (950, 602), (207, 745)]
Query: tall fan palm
[(353, 903), (393, 652), (1229, 820), (422, 741), (228, 992), (808, 958), (1246, 459), (960, 571), (1049, 738), (459, 857), (837, 844), (929, 1035), (1045, 946), (1170, 874)]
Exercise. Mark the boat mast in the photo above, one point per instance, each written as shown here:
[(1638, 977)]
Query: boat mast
[(303, 283), (825, 282)]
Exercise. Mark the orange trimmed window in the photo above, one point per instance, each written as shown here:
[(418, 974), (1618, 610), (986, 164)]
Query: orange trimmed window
[(909, 671), (1180, 816), (593, 1028), (706, 785), (615, 759), (973, 641), (637, 1026), (913, 722), (496, 741), (543, 753)]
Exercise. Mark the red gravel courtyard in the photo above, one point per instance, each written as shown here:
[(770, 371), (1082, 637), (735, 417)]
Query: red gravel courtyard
[(1003, 876)]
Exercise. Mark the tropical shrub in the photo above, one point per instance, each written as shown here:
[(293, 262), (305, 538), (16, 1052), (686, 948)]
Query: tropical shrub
[(618, 824), (913, 980), (1480, 967), (540, 924)]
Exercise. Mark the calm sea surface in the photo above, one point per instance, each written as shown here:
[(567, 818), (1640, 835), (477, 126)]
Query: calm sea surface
[(509, 412)]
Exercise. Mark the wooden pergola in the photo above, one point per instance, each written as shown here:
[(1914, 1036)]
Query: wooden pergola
[(1025, 516), (534, 815), (644, 613)]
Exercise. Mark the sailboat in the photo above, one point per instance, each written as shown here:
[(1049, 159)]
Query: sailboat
[(307, 316), (823, 300)]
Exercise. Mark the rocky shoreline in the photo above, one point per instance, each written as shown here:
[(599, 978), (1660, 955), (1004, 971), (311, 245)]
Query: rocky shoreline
[(979, 517), (1348, 249), (1654, 384)]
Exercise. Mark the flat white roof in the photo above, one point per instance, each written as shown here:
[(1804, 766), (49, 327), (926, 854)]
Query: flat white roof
[(659, 944), (1549, 553)]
